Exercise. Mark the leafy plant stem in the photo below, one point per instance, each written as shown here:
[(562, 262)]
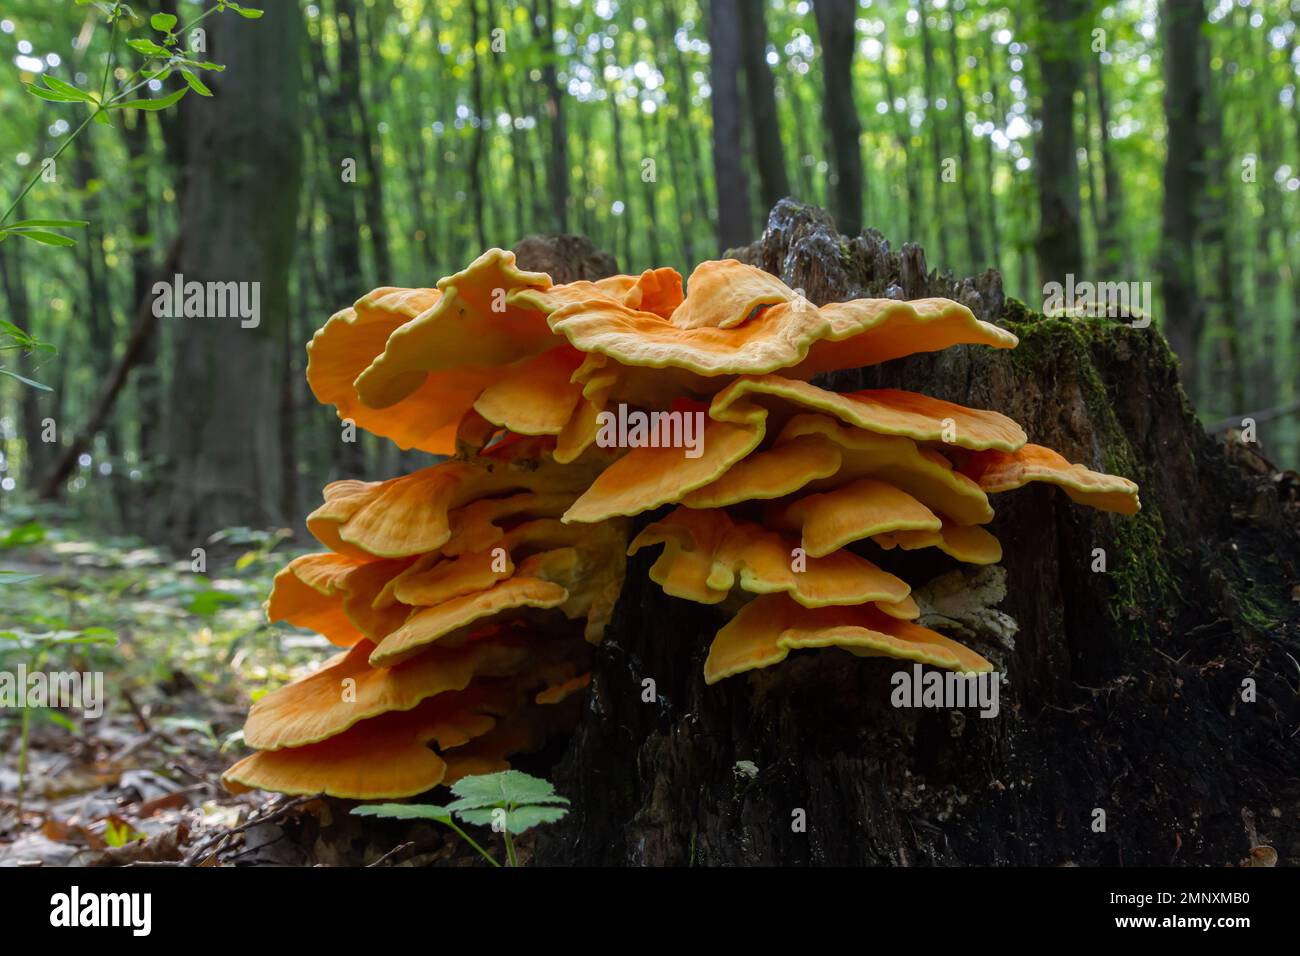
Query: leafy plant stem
[(22, 758), (103, 103), (482, 852), (512, 859)]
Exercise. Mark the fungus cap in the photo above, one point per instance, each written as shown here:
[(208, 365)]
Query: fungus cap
[(769, 627), (997, 472)]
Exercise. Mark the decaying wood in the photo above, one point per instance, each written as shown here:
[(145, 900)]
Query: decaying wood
[(1124, 688)]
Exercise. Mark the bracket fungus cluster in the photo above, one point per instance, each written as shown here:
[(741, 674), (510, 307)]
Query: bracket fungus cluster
[(468, 595)]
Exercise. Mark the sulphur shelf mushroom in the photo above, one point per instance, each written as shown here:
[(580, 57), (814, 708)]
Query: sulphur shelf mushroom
[(468, 595)]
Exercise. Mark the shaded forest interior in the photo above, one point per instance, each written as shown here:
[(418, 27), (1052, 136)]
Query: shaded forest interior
[(354, 144)]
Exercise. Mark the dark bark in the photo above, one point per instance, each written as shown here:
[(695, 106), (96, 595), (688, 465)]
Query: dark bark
[(731, 182), (1059, 41), (1181, 21), (835, 19), (760, 98), (238, 217), (1123, 689)]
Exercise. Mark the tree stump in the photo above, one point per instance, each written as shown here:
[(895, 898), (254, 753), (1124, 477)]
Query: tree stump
[(1124, 689)]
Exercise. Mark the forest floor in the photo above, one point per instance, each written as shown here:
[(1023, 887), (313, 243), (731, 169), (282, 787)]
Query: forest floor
[(181, 653)]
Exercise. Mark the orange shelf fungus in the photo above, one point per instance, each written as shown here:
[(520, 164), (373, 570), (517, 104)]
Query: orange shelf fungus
[(470, 593)]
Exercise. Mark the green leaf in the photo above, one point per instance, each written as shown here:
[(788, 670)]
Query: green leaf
[(20, 337), (161, 103), (26, 381), (405, 811), (29, 532), (162, 22), (247, 13), (206, 603), (54, 717), (54, 223), (149, 48), (102, 118), (39, 235), (16, 577), (67, 89), (51, 95), (499, 789), (195, 83), (516, 820)]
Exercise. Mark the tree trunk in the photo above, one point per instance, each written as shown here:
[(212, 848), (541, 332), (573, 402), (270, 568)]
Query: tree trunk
[(1060, 248), (760, 97), (237, 223), (37, 452), (1184, 176), (481, 123), (558, 157), (938, 220), (1110, 230), (371, 148), (731, 183), (1123, 692), (977, 257), (835, 27)]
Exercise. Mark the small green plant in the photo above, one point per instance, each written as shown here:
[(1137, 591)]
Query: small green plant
[(38, 648), (510, 802), (162, 57), (12, 337)]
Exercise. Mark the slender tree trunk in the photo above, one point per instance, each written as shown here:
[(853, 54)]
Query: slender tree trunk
[(371, 147), (1110, 238), (731, 183), (238, 219), (650, 189), (1184, 177), (835, 19), (680, 95), (1060, 248), (938, 220), (20, 314), (760, 96), (988, 61), (1217, 216), (481, 121), (558, 157), (974, 214), (902, 134), (148, 379)]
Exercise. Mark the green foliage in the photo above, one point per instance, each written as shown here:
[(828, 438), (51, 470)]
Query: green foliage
[(160, 59), (508, 799), (510, 802)]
